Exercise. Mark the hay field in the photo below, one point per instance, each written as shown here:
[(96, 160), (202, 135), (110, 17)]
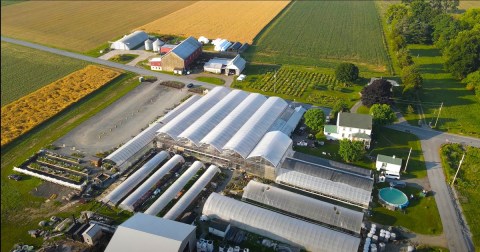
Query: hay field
[(25, 70), (322, 33), (29, 111), (235, 21), (80, 25)]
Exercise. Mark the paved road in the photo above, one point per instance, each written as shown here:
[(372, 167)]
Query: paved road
[(458, 236), (140, 71)]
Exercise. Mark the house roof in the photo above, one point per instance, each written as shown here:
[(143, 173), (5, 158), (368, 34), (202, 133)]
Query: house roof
[(388, 159), (237, 62), (144, 232), (361, 135), (330, 129), (186, 48), (360, 121)]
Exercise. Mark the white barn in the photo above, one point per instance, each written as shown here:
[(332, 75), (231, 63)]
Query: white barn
[(227, 66), (130, 41)]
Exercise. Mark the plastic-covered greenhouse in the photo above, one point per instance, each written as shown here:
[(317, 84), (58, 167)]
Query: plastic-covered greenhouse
[(300, 205), (135, 144), (192, 193), (278, 227), (225, 130), (124, 188), (175, 188), (181, 122), (255, 128), (330, 183), (272, 147), (129, 203), (213, 117)]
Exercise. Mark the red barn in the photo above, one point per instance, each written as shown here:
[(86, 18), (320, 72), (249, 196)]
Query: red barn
[(182, 55)]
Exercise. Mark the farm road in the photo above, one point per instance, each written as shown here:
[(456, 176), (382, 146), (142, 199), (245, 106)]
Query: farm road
[(140, 71), (142, 55)]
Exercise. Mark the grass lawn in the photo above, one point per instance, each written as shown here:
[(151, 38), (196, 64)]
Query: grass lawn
[(25, 70), (212, 80), (123, 58), (18, 205), (424, 248), (466, 184), (421, 216), (332, 147), (460, 109), (322, 34)]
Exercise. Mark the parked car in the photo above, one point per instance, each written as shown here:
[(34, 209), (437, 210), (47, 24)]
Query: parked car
[(15, 177), (190, 85)]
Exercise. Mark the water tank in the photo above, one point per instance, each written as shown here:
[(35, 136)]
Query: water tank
[(368, 240), (210, 246), (156, 45), (148, 45), (373, 249), (410, 249), (393, 236), (369, 235), (381, 246), (374, 226), (230, 249), (375, 238), (373, 230), (236, 249), (387, 237), (382, 237), (363, 225), (199, 246)]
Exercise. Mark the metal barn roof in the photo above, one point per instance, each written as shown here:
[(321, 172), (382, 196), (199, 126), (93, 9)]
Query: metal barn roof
[(186, 48)]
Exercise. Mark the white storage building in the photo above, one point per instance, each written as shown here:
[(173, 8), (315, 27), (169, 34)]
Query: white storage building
[(130, 41), (136, 178), (278, 227)]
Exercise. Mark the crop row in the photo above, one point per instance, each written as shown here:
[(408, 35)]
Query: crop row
[(59, 173), (60, 164), (62, 157), (293, 82)]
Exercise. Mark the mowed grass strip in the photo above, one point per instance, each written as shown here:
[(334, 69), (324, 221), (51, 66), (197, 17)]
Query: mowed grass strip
[(25, 70), (212, 80), (31, 110), (318, 33), (80, 25), (232, 20)]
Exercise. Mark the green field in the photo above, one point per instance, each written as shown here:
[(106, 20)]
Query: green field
[(25, 70), (460, 113), (212, 80), (466, 184), (322, 33), (20, 210)]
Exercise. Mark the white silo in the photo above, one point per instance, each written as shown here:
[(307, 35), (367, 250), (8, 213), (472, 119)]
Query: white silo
[(156, 45), (148, 45)]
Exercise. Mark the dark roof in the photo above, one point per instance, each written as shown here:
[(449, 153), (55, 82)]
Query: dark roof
[(235, 46), (243, 47), (186, 48), (354, 120), (334, 165)]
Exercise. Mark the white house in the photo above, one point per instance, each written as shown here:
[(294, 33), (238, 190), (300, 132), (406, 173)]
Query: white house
[(130, 41), (355, 127), (391, 165)]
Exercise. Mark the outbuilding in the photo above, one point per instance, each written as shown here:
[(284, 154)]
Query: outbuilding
[(130, 41), (391, 165), (92, 234), (225, 66), (218, 227), (182, 55)]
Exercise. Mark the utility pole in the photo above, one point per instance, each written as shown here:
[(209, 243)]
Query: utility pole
[(438, 115), (458, 169), (408, 158)]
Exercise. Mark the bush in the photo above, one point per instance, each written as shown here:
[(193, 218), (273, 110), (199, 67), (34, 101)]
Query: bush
[(346, 72), (315, 119), (174, 84)]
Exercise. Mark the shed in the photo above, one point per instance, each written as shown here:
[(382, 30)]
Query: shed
[(166, 48), (92, 234), (391, 165), (130, 41), (235, 47), (243, 48), (235, 66), (218, 227)]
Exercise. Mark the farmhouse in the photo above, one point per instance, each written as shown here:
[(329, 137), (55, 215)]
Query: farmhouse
[(180, 57), (391, 165), (128, 42), (355, 127), (225, 66)]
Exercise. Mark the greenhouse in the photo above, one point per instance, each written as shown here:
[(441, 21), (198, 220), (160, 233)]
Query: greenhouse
[(175, 188), (192, 193), (272, 147), (136, 178), (303, 206), (328, 182), (277, 226), (134, 145), (129, 203)]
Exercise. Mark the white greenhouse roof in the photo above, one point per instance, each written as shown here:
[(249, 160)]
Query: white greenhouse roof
[(143, 232), (178, 124), (253, 130), (213, 117), (175, 188), (277, 226), (135, 144), (326, 182), (292, 123), (272, 147), (192, 193), (304, 206), (224, 131), (129, 203), (138, 176)]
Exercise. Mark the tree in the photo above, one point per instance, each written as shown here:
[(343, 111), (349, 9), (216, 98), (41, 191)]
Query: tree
[(411, 78), (315, 119), (346, 72), (473, 82), (382, 114), (398, 42), (463, 54), (470, 18), (380, 91), (340, 105), (445, 28), (396, 12), (351, 151), (404, 58)]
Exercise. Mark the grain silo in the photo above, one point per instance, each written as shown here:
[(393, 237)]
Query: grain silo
[(148, 44), (156, 45)]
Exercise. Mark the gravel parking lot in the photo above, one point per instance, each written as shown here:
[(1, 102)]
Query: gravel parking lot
[(121, 121)]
